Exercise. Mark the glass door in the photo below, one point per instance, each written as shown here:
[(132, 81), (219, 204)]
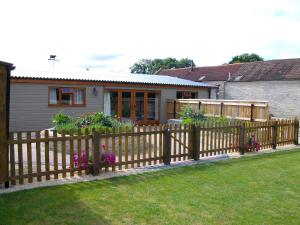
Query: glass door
[(126, 107), (152, 106), (139, 106)]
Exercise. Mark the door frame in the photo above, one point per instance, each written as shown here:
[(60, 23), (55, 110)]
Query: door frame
[(145, 121)]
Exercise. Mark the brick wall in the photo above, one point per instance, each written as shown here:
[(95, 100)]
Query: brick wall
[(283, 96)]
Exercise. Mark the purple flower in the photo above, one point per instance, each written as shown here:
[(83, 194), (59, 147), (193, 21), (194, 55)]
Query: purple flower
[(108, 157), (84, 160)]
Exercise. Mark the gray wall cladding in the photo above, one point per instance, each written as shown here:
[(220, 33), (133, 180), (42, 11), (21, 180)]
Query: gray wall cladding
[(29, 109), (29, 106), (283, 96)]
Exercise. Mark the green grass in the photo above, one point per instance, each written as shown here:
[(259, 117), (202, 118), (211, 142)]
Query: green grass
[(263, 189)]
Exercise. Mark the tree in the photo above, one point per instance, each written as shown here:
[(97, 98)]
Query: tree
[(246, 58), (150, 66)]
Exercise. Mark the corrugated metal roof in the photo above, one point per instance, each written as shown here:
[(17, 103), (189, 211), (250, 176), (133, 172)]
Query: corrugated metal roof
[(109, 77)]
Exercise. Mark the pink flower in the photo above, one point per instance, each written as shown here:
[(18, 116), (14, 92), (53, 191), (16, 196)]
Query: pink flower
[(84, 160)]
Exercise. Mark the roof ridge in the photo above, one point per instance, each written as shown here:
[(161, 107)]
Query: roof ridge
[(228, 65)]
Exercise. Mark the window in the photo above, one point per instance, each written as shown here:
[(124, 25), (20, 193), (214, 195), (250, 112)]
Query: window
[(186, 95), (66, 96), (152, 106)]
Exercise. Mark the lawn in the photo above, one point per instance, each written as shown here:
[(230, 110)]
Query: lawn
[(263, 189)]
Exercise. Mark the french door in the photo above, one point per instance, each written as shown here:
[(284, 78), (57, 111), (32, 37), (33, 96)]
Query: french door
[(137, 106)]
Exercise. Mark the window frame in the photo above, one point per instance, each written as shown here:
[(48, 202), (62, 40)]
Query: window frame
[(184, 92), (73, 94)]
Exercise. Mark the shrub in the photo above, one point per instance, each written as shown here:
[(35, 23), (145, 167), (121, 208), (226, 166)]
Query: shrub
[(61, 118), (98, 121), (66, 127), (101, 118), (192, 116)]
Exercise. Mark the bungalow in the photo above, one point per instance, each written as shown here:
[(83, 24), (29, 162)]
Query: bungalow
[(36, 96)]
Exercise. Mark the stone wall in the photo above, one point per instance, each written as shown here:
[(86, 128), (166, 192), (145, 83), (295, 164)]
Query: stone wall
[(283, 96), (221, 89)]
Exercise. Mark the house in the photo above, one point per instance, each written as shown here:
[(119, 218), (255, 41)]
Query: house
[(276, 81), (214, 75), (37, 96)]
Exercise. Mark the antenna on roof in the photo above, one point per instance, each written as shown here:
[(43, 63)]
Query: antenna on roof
[(52, 58)]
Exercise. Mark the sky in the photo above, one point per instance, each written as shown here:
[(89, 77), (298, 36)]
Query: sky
[(111, 35)]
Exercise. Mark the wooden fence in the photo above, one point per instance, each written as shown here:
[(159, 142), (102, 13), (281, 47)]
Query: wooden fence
[(234, 109), (44, 155)]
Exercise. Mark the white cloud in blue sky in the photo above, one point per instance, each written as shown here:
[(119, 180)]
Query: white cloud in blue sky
[(112, 35)]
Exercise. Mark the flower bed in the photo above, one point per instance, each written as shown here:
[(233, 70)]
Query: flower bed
[(98, 121)]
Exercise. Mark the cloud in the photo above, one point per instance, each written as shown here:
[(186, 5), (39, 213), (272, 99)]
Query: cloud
[(103, 57), (113, 38), (281, 13)]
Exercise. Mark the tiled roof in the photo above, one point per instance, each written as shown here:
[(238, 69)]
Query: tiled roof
[(208, 73), (108, 77), (283, 69)]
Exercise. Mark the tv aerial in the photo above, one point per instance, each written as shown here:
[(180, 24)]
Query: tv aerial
[(53, 60)]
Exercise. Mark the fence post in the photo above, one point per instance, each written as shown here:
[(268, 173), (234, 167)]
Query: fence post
[(174, 109), (195, 142), (5, 69), (96, 153), (222, 109), (242, 139), (167, 146), (252, 113), (296, 130), (274, 137)]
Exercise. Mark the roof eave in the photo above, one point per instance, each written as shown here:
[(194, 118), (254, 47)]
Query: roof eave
[(106, 81)]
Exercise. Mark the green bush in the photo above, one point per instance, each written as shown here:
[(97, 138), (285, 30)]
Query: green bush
[(61, 118), (191, 116), (98, 121), (67, 128), (101, 118)]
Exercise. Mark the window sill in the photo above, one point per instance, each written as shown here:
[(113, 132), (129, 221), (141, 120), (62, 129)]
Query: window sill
[(66, 106)]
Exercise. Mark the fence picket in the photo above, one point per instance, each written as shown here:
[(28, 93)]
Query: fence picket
[(38, 155), (29, 157), (113, 146), (63, 153), (87, 147), (79, 152), (149, 145), (184, 142), (71, 153), (106, 147), (138, 145), (211, 133), (47, 161), (12, 160), (174, 128), (144, 146), (120, 155), (160, 143), (20, 158), (55, 156), (155, 144), (126, 147), (132, 147)]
